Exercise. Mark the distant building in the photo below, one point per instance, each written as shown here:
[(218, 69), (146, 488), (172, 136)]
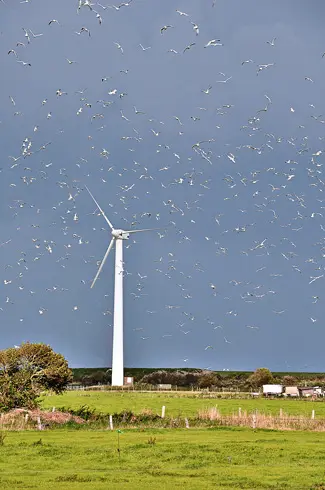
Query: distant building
[(309, 391), (306, 391), (318, 391), (272, 390), (291, 391), (164, 387)]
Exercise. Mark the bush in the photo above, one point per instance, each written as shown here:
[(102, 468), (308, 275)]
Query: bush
[(289, 381), (83, 412), (176, 378), (208, 379), (28, 370), (98, 377), (262, 376)]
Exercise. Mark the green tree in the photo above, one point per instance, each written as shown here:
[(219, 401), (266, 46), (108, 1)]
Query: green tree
[(260, 377), (175, 378), (28, 370), (208, 379), (98, 377), (289, 380)]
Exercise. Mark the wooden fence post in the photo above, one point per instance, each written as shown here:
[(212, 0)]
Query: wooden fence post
[(281, 413), (39, 423), (254, 421), (239, 412)]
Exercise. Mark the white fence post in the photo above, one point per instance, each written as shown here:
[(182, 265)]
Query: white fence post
[(239, 411), (187, 425), (163, 408), (313, 414), (111, 422), (39, 424)]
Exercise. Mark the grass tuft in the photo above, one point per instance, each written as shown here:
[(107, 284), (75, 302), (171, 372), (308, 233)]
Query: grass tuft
[(152, 441), (38, 443), (2, 438)]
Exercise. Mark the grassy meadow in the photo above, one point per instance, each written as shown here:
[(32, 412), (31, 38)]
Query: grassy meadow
[(163, 459), (180, 404), (206, 456)]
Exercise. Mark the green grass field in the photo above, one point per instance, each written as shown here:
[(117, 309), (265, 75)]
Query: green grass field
[(178, 404), (191, 459)]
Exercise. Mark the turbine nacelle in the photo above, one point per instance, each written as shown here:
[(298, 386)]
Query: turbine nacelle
[(117, 234), (120, 234)]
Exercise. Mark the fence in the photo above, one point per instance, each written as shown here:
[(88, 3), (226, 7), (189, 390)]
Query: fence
[(20, 419), (146, 388), (257, 420)]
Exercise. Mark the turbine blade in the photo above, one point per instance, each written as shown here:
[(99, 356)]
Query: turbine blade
[(103, 262), (145, 229), (100, 209)]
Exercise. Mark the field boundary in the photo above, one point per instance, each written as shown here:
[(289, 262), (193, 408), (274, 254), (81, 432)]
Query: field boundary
[(20, 419)]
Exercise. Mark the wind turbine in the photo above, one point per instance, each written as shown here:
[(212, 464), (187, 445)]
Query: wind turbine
[(118, 236)]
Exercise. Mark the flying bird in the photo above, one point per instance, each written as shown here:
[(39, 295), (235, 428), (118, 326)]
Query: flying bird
[(188, 47), (224, 81), (196, 28), (35, 35), (144, 49), (119, 47), (207, 91), (213, 42), (182, 13), (24, 63), (271, 43), (164, 28)]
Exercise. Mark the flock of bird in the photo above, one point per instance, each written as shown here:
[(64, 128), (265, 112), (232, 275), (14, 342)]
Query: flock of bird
[(240, 218)]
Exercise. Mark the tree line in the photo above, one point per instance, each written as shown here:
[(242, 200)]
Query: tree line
[(196, 379)]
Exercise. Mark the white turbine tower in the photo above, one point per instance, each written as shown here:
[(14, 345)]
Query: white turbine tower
[(118, 236)]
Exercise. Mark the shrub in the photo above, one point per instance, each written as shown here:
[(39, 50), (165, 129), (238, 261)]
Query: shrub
[(28, 370), (260, 377), (289, 380), (208, 379)]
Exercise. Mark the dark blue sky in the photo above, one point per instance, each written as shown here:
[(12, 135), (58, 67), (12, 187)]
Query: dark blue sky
[(234, 278)]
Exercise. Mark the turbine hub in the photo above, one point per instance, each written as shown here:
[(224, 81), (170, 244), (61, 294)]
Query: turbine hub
[(120, 234)]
